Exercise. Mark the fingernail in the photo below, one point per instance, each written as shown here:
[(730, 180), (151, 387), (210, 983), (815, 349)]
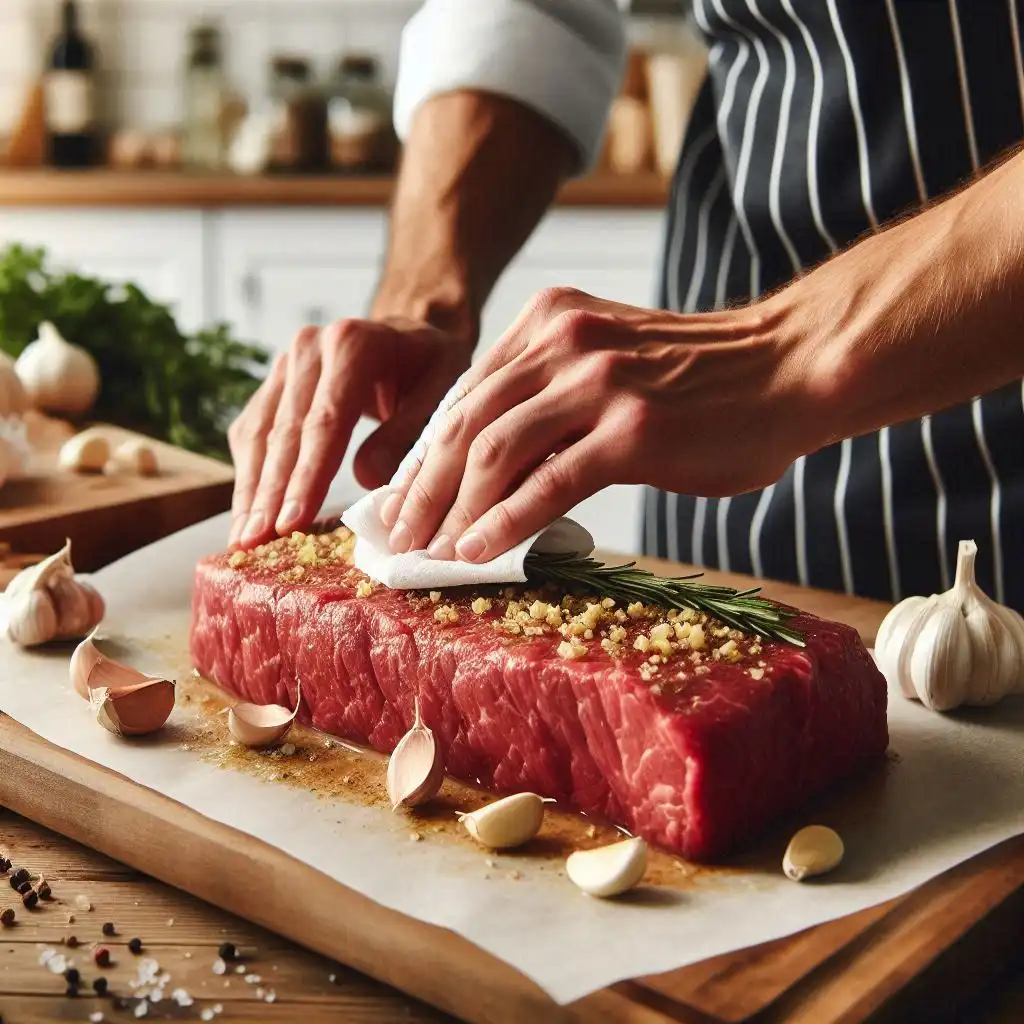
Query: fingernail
[(288, 515), (400, 540), (391, 509), (441, 548), (471, 546), (254, 527), (238, 521)]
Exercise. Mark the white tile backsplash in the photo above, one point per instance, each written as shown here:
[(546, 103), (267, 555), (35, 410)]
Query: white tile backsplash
[(142, 45)]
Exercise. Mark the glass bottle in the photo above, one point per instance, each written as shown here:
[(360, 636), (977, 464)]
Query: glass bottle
[(203, 136), (360, 116), (300, 115), (70, 91)]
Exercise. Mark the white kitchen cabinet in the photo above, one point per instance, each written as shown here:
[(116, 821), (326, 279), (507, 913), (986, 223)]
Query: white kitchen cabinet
[(279, 270), (160, 251)]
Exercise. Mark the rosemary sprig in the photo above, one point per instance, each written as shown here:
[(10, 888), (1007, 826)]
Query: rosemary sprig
[(739, 609)]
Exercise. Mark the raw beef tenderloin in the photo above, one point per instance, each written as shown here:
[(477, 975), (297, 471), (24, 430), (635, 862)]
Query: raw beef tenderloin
[(693, 736)]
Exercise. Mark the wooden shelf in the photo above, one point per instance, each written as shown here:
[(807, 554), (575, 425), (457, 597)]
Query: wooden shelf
[(49, 188)]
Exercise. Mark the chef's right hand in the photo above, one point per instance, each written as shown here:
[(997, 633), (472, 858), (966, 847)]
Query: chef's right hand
[(291, 437)]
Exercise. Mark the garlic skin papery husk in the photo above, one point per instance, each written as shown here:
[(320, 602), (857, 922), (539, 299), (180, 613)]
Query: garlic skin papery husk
[(46, 602), (415, 767), (125, 701), (960, 647), (58, 377), (262, 725)]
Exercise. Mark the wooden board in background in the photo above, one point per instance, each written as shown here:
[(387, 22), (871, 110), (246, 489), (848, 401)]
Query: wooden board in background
[(106, 517), (915, 958)]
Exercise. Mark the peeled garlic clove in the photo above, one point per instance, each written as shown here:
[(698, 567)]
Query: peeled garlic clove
[(31, 618), (812, 851), (132, 710), (608, 870), (506, 823), (137, 457), (261, 725), (87, 452), (415, 768)]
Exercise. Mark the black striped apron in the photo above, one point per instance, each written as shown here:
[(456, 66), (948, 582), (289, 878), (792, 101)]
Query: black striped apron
[(819, 120)]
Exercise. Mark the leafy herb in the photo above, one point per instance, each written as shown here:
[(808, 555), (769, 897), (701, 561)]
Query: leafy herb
[(155, 379), (739, 609)]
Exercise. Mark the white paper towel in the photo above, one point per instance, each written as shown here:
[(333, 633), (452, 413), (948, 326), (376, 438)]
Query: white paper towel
[(416, 570)]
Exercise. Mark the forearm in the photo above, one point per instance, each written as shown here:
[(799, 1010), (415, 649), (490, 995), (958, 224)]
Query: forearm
[(920, 317), (478, 173)]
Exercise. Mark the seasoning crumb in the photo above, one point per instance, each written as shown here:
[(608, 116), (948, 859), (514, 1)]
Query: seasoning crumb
[(240, 969), (415, 837), (332, 978), (170, 922), (83, 902), (219, 967), (287, 749), (207, 1014), (270, 997), (70, 919), (188, 956), (96, 1017), (490, 863)]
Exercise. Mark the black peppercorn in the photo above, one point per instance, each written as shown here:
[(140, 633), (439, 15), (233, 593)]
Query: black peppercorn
[(99, 986), (135, 946), (30, 899), (71, 941), (71, 990), (72, 976), (5, 865), (227, 951), (24, 888), (108, 929), (44, 890), (19, 878), (7, 917)]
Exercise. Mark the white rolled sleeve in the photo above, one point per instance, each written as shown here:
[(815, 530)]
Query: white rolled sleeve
[(562, 58)]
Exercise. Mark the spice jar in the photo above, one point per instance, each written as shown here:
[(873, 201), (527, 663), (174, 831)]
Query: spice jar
[(359, 117), (300, 143), (202, 145)]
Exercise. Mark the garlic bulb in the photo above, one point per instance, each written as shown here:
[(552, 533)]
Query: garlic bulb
[(13, 400), (45, 602), (960, 647), (137, 457), (57, 376)]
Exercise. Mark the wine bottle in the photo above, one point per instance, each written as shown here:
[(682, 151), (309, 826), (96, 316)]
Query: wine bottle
[(70, 110)]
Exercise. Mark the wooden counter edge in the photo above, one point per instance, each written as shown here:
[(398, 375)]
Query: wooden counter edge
[(136, 189)]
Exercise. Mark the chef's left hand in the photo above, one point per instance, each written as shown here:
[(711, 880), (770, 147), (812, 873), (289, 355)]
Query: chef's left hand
[(582, 393)]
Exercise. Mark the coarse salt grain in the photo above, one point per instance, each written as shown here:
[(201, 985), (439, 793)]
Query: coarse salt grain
[(57, 964), (240, 969), (141, 1009), (181, 997), (207, 1014), (287, 749), (46, 955), (252, 979), (96, 1017), (219, 967), (83, 903), (270, 997)]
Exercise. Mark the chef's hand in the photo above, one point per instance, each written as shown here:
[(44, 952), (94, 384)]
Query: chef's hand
[(290, 439), (581, 393)]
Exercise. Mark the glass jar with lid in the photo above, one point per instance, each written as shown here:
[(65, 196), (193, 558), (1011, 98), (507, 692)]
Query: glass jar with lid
[(301, 139), (360, 116)]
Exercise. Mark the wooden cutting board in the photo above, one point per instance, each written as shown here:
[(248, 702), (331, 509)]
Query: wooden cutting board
[(108, 516), (916, 958)]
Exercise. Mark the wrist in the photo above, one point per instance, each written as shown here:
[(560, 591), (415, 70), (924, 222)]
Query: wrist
[(444, 307)]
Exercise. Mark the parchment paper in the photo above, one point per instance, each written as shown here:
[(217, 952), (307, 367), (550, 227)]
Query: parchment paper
[(955, 789)]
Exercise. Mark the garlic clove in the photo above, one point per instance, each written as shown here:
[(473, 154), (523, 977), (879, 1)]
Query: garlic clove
[(133, 710), (938, 663), (76, 607), (57, 376), (85, 657), (415, 768), (87, 452), (608, 870), (892, 635), (261, 725), (814, 850), (137, 457), (506, 823), (31, 618)]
